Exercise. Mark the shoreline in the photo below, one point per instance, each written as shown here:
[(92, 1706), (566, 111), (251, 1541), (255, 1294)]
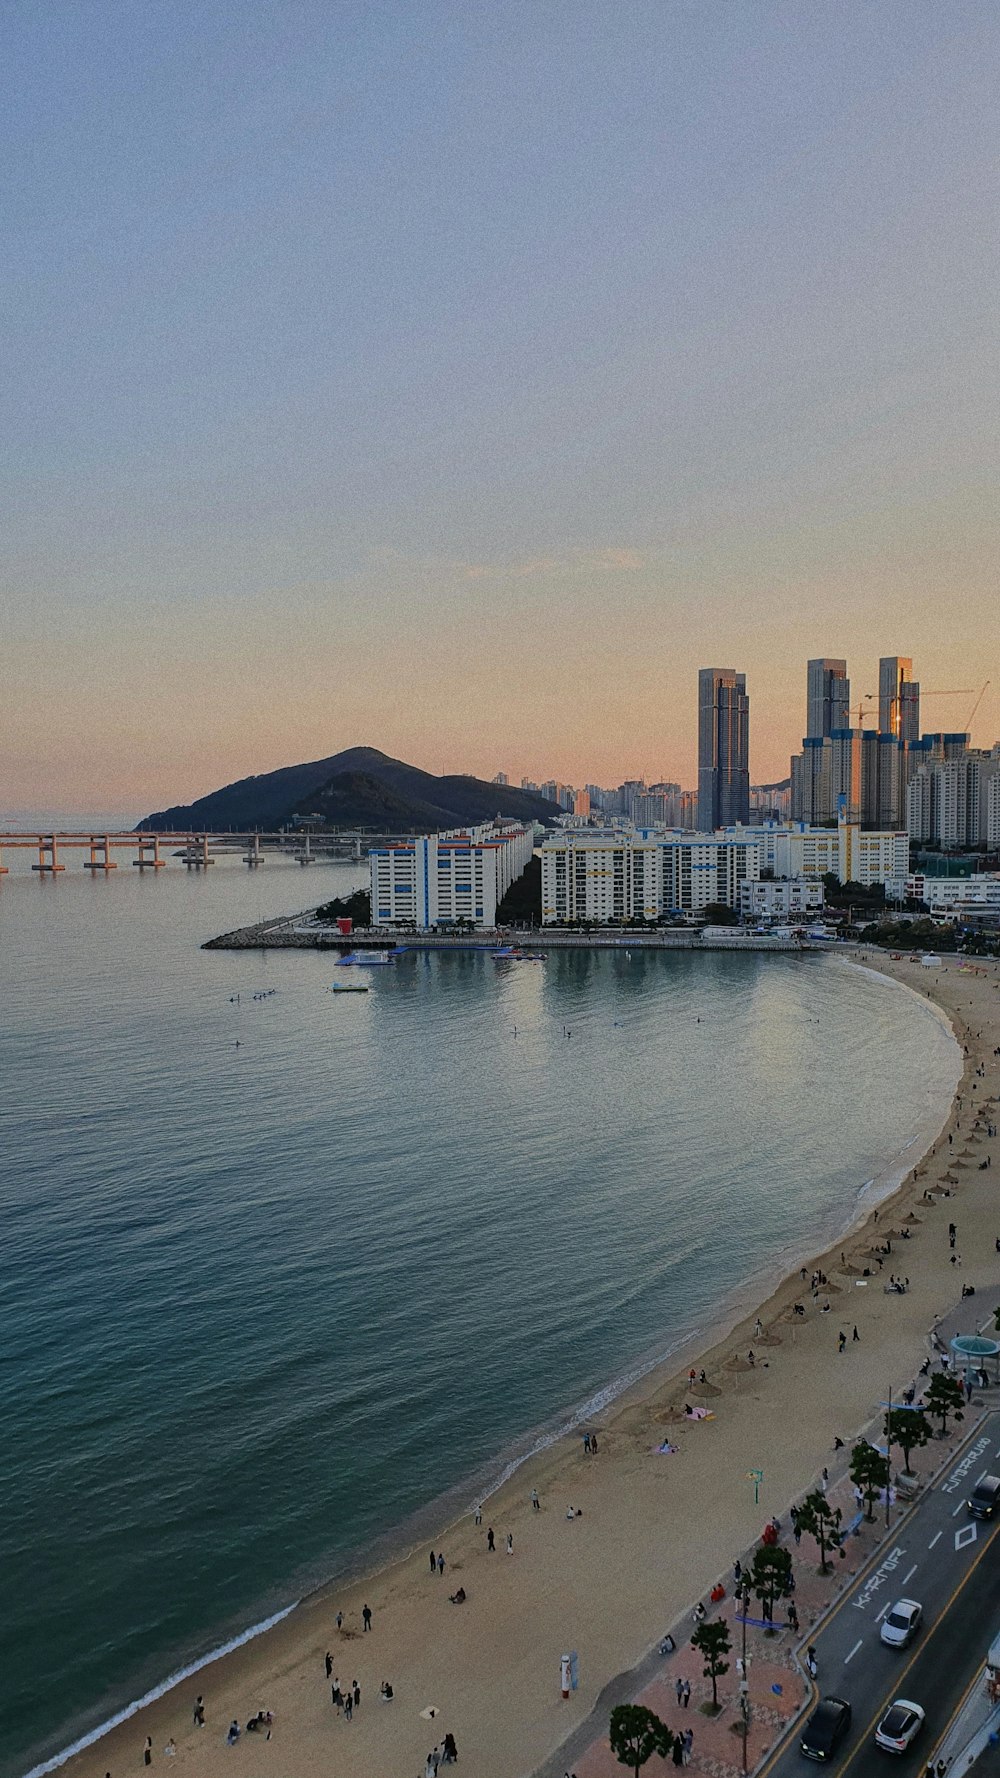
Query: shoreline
[(649, 1377)]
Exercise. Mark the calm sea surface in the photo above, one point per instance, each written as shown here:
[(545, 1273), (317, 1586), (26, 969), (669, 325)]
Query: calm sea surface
[(277, 1272)]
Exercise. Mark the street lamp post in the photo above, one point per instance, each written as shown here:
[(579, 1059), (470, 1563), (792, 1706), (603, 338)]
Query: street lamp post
[(744, 1682), (888, 1464)]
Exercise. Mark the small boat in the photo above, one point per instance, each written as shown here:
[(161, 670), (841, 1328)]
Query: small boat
[(351, 987)]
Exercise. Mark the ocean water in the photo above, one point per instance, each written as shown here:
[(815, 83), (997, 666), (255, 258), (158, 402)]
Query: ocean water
[(277, 1271)]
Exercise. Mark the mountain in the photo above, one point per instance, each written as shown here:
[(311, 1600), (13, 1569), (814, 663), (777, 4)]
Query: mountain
[(358, 788)]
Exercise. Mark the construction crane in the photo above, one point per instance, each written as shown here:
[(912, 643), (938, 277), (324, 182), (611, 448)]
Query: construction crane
[(961, 691)]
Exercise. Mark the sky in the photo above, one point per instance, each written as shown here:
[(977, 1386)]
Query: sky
[(459, 379)]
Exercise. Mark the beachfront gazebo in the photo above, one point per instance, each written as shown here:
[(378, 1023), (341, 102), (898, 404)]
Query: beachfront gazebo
[(972, 1351)]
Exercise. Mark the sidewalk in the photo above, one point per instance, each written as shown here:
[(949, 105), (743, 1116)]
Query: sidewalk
[(778, 1686)]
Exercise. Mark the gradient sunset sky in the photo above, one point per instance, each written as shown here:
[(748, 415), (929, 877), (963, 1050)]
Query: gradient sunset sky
[(459, 379)]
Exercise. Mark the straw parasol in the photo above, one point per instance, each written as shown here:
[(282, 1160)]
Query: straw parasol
[(670, 1416), (949, 1178), (736, 1363), (704, 1389), (769, 1338), (909, 1217)]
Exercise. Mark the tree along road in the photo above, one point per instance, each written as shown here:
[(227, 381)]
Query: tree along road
[(945, 1560)]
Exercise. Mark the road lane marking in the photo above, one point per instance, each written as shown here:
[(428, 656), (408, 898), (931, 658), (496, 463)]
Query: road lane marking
[(966, 1536), (861, 1741), (958, 1509), (781, 1748), (854, 1651), (908, 1577), (934, 1539), (882, 1613)]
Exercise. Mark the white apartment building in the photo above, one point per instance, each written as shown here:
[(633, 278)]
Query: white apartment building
[(793, 849), (798, 899), (955, 896), (438, 879), (601, 875)]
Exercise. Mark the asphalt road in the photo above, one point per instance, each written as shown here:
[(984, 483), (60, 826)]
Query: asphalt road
[(947, 1561)]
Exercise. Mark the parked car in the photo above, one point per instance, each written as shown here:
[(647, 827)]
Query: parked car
[(826, 1728), (901, 1624), (985, 1497), (900, 1726)]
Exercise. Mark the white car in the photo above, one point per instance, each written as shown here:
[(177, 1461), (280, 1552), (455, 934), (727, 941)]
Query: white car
[(902, 1623), (900, 1726)]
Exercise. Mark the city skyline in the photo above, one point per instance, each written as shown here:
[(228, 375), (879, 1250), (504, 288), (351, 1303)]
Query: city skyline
[(417, 381)]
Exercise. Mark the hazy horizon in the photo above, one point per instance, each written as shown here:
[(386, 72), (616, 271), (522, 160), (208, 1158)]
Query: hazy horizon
[(460, 381)]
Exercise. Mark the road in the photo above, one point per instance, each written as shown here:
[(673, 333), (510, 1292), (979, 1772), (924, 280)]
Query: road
[(948, 1562)]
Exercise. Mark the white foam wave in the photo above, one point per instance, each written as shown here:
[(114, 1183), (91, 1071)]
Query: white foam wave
[(586, 1410), (158, 1691)]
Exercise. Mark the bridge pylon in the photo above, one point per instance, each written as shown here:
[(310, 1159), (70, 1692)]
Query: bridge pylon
[(48, 856), (100, 844)]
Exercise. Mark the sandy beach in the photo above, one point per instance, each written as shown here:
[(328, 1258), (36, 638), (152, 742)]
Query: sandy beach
[(652, 1532)]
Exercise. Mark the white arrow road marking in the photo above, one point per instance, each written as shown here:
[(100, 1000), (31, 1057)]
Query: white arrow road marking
[(934, 1539), (854, 1651), (964, 1537)]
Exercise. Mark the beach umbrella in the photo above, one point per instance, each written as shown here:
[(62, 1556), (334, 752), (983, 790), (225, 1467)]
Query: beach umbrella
[(949, 1179), (736, 1363), (769, 1338), (909, 1217), (704, 1389)]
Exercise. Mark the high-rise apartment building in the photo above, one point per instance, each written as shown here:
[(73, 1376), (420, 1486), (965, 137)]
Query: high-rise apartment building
[(723, 748), (898, 699), (828, 697)]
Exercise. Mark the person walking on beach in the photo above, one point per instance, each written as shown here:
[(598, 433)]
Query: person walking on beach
[(198, 1713), (510, 1543), (479, 1514), (337, 1696), (434, 1562), (339, 1620), (535, 1502), (328, 1663), (841, 1341), (855, 1335), (490, 1540), (348, 1705), (147, 1752), (366, 1616), (357, 1695), (440, 1562)]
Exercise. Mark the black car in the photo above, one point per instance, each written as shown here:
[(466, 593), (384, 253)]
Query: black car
[(826, 1728), (985, 1497)]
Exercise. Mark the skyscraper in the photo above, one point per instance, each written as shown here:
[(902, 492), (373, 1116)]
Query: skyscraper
[(723, 748), (898, 699), (828, 697)]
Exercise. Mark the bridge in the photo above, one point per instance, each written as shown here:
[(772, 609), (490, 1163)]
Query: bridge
[(196, 851)]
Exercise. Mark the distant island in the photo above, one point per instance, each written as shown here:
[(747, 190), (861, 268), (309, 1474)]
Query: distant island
[(358, 788)]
